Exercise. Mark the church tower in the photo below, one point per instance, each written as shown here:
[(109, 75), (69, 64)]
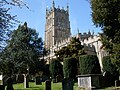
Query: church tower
[(57, 27)]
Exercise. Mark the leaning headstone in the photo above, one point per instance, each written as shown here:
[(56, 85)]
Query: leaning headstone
[(117, 83), (37, 80), (58, 78), (2, 87), (14, 79), (48, 85), (19, 78), (5, 80), (67, 84), (54, 80), (9, 84)]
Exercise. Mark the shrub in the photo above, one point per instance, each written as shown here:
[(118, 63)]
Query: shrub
[(89, 64), (111, 73), (55, 68), (70, 68)]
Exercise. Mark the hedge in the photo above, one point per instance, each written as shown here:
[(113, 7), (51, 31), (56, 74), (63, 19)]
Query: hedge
[(70, 67), (56, 68), (89, 64), (110, 71)]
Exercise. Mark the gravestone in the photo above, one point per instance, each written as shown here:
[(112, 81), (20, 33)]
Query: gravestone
[(117, 83), (19, 78), (48, 85), (14, 79), (67, 84), (58, 78), (54, 80), (9, 84), (38, 80), (89, 81)]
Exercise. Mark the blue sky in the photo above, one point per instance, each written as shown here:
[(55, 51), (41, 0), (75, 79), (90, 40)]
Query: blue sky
[(79, 11)]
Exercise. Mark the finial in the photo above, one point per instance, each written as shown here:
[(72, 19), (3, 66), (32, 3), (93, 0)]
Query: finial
[(93, 33), (53, 4), (46, 11), (47, 8), (25, 25), (89, 32), (78, 34), (78, 30), (67, 6)]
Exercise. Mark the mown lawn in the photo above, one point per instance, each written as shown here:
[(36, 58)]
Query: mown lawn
[(109, 88), (54, 86), (33, 86)]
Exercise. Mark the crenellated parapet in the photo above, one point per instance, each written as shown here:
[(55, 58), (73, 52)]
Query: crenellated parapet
[(83, 36), (53, 9), (91, 39), (61, 44)]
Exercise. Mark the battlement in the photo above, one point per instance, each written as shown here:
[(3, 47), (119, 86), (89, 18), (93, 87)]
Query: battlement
[(61, 44), (83, 36), (56, 10), (91, 39), (90, 43)]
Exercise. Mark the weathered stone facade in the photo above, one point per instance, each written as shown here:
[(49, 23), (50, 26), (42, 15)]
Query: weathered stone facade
[(58, 35), (57, 26), (93, 46)]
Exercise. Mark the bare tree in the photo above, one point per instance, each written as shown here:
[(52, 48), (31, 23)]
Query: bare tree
[(7, 20)]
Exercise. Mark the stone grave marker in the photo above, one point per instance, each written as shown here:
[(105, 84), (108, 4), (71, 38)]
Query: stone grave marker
[(58, 78), (89, 81), (117, 83), (19, 78), (38, 80), (9, 84), (48, 85), (67, 84), (54, 80)]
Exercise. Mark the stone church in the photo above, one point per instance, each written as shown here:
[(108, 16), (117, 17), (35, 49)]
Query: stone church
[(57, 26), (58, 34), (57, 29)]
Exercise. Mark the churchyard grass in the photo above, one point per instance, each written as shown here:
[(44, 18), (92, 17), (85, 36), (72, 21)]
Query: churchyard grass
[(33, 86), (54, 86)]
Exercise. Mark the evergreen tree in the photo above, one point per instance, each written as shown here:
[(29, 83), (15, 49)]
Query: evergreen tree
[(55, 68), (23, 50), (106, 14), (89, 64), (70, 68), (74, 49), (110, 71)]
